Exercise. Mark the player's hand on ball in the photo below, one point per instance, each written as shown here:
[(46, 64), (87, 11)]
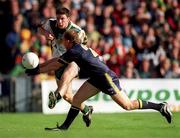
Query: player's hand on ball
[(32, 72)]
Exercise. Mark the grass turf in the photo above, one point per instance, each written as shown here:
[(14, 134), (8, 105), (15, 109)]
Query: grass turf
[(121, 125)]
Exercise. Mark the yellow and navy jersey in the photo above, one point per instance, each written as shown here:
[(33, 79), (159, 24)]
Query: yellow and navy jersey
[(87, 60), (98, 73), (57, 48)]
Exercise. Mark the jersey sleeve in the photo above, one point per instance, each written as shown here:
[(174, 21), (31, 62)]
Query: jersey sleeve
[(83, 37), (81, 33), (69, 56)]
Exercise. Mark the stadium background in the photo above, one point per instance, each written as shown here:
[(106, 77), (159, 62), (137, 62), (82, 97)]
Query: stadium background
[(138, 39)]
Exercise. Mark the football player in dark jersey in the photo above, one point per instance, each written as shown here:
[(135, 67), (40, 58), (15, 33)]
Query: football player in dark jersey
[(101, 78)]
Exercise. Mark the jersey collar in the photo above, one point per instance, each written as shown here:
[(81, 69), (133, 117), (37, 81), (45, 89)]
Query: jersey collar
[(69, 25)]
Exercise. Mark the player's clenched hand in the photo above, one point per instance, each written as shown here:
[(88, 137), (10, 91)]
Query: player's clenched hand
[(46, 33), (32, 72)]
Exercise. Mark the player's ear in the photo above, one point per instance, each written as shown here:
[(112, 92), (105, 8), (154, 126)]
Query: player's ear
[(68, 41)]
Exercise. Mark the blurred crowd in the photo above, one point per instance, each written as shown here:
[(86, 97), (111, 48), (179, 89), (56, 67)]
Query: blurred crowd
[(136, 38)]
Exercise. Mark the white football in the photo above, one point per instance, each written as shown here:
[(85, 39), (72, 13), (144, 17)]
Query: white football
[(30, 60)]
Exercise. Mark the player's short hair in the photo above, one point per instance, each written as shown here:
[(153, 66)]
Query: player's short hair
[(72, 36), (63, 10)]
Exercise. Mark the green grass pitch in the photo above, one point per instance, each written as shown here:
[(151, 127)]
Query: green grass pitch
[(118, 125)]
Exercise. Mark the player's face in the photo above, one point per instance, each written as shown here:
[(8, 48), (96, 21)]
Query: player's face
[(62, 21)]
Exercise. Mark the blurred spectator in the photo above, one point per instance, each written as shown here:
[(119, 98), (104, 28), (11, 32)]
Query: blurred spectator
[(13, 41), (98, 12), (33, 15), (138, 45), (91, 32), (175, 11), (144, 71), (164, 68), (175, 72), (129, 71), (24, 46), (75, 17), (48, 10), (128, 74), (65, 3), (117, 12), (118, 53), (89, 6), (25, 43), (127, 37)]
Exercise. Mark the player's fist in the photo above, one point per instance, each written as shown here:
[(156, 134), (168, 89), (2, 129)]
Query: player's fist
[(32, 72), (50, 37)]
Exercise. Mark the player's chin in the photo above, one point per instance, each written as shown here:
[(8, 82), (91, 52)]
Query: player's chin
[(61, 26)]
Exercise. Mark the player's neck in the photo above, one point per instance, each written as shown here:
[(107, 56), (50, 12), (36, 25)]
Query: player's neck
[(69, 46)]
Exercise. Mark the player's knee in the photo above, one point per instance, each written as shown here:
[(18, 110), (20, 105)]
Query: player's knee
[(65, 97), (68, 97), (128, 106)]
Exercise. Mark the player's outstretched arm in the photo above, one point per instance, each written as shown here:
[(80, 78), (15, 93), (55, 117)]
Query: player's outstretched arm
[(50, 65)]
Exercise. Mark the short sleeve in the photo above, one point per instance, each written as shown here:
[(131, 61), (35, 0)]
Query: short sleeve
[(70, 55)]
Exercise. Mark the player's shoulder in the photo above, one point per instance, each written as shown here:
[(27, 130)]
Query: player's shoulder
[(76, 49), (52, 21), (75, 27), (45, 22)]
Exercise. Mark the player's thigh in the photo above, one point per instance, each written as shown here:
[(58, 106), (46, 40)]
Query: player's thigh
[(67, 72), (69, 88), (86, 91), (59, 72), (71, 70)]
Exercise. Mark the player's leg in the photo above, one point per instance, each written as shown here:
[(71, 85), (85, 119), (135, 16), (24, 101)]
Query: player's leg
[(65, 84), (78, 99), (70, 72), (113, 89), (122, 99), (65, 90), (65, 76), (83, 107), (124, 102)]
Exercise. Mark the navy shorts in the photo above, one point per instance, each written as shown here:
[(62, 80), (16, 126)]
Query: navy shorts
[(107, 83)]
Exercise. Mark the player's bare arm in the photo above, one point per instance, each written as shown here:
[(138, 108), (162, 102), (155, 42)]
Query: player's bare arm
[(50, 65)]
